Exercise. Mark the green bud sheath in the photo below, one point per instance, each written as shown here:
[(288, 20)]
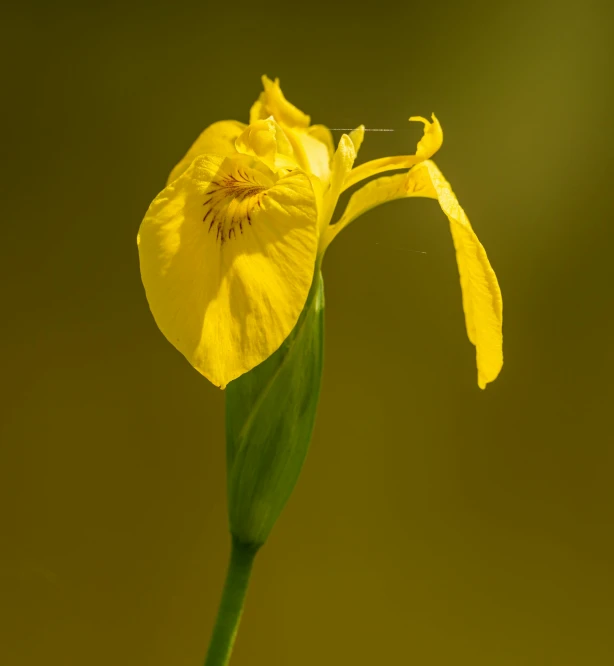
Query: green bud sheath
[(270, 414)]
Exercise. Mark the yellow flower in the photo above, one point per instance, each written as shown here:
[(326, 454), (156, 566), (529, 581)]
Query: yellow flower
[(229, 248)]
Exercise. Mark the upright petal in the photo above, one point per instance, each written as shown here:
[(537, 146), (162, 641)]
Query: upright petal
[(266, 140), (342, 164), (273, 103), (482, 301), (312, 145), (357, 135), (319, 149), (217, 139), (227, 255), (323, 135), (310, 152)]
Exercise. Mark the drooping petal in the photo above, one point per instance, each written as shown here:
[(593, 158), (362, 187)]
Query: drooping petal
[(428, 145), (217, 139), (273, 103), (227, 256), (482, 301)]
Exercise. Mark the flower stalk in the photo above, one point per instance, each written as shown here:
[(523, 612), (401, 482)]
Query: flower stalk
[(231, 605)]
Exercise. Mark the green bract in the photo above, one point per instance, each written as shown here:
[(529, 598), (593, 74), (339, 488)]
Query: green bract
[(270, 414)]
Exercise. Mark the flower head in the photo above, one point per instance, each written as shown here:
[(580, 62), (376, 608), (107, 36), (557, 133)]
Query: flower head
[(229, 248)]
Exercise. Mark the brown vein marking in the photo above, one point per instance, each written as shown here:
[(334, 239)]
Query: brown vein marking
[(207, 215), (246, 195)]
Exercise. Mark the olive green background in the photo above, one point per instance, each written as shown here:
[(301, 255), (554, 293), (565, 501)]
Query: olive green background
[(434, 524)]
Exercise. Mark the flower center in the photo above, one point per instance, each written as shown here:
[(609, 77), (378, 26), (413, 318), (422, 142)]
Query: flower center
[(231, 200)]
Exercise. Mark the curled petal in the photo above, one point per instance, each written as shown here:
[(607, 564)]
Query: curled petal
[(482, 301), (217, 139), (432, 138), (227, 255), (428, 145)]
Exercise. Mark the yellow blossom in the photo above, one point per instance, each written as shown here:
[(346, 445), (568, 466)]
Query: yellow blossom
[(229, 248)]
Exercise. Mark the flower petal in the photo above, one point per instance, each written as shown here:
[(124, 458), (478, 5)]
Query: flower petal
[(374, 193), (227, 256), (428, 145), (311, 153), (342, 164), (482, 301), (313, 146), (217, 139), (357, 137), (266, 140), (273, 103), (324, 135)]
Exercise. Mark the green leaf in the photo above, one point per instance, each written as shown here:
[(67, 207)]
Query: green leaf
[(270, 414)]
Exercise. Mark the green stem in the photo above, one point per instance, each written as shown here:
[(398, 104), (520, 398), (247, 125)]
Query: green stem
[(231, 605)]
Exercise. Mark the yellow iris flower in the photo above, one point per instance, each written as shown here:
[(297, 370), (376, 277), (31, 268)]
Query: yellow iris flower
[(229, 248)]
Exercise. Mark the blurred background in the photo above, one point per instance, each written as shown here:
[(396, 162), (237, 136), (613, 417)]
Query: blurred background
[(434, 523)]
